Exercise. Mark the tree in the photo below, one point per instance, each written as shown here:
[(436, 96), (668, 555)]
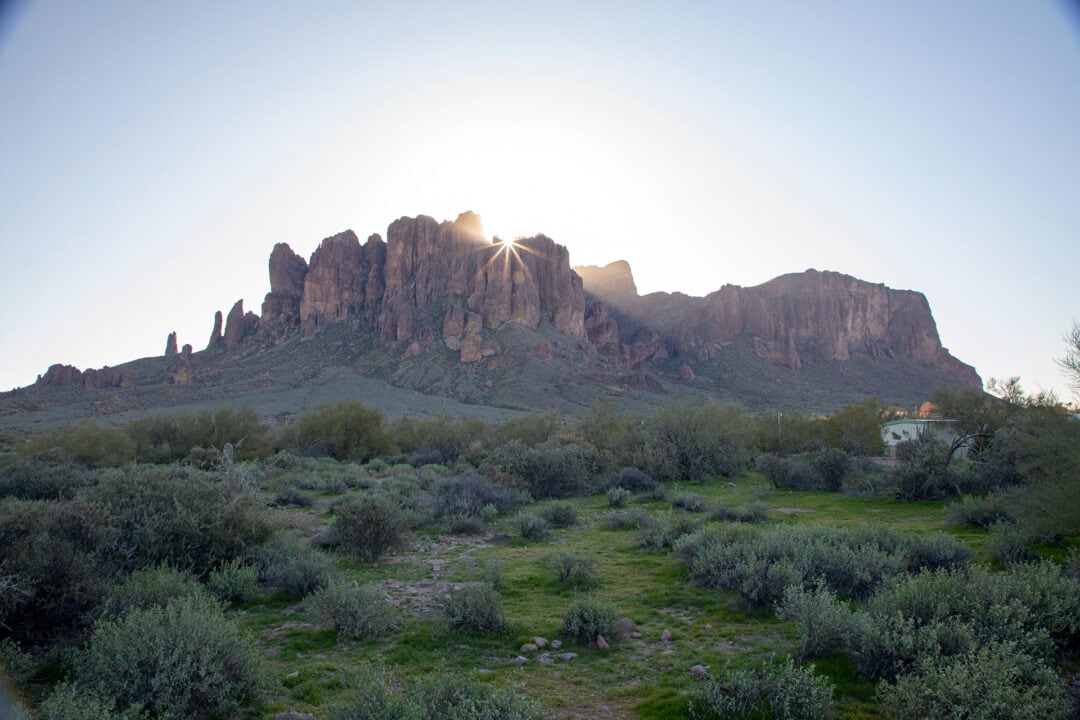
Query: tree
[(1070, 364), (976, 416)]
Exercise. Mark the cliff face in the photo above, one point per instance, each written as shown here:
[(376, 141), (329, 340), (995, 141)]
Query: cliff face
[(797, 318)]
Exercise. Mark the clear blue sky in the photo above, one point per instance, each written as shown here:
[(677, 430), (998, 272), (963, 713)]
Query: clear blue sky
[(152, 153)]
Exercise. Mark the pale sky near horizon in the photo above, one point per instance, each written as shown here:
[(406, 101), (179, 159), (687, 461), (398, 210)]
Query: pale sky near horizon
[(152, 154)]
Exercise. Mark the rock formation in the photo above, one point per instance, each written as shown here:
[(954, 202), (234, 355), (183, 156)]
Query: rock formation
[(215, 334), (70, 376), (170, 344), (239, 325), (281, 306)]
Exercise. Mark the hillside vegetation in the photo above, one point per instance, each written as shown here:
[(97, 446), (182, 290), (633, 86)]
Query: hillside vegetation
[(698, 562)]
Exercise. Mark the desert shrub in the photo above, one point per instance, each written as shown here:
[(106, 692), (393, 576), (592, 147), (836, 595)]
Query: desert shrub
[(67, 702), (179, 661), (152, 587), (1010, 542), (464, 525), (234, 581), (355, 611), (788, 433), (617, 496), (366, 528), (533, 527), (923, 473), (760, 563), (547, 472), (573, 570), (468, 494), (47, 475), (489, 512), (217, 521), (530, 430), (614, 435), (662, 530), (755, 512), (474, 607), (289, 566), (620, 520), (589, 617), (560, 514), (856, 428), (171, 438), (632, 479), (491, 573), (918, 618), (347, 430), (378, 697), (823, 621), (292, 496), (691, 502), (56, 562), (85, 443), (824, 469), (17, 665), (987, 684), (785, 692), (697, 442), (442, 439), (975, 511)]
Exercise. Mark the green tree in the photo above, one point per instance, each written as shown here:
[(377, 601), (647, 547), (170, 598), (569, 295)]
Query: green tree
[(856, 428), (1070, 363), (975, 415)]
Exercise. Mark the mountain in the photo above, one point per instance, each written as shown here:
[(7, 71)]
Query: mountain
[(438, 316)]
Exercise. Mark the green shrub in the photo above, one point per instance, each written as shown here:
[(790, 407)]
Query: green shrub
[(1010, 542), (17, 664), (533, 527), (234, 581), (216, 520), (289, 566), (469, 494), (589, 617), (691, 502), (152, 587), (530, 430), (632, 479), (975, 511), (824, 622), (345, 431), (464, 525), (824, 469), (856, 428), (292, 496), (178, 661), (560, 514), (377, 697), (172, 438), (355, 611), (489, 512), (57, 560), (573, 570), (620, 520), (618, 496), (47, 475), (991, 683), (786, 692), (697, 442), (86, 443), (663, 530), (366, 528), (443, 439), (474, 607), (547, 472), (67, 702)]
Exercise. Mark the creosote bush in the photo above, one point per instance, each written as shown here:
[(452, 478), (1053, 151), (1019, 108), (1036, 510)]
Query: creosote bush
[(474, 607), (573, 570), (347, 430), (632, 479), (560, 514), (824, 622), (234, 581), (366, 528), (589, 617), (152, 587), (533, 527), (179, 661), (547, 472), (697, 442), (617, 496), (289, 566), (355, 611), (785, 692)]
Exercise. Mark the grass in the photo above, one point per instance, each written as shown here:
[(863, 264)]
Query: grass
[(645, 678)]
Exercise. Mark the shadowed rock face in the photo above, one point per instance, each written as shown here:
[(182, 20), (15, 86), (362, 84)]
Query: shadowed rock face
[(281, 306)]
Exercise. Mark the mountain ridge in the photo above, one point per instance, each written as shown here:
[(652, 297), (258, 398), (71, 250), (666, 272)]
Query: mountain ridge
[(439, 308)]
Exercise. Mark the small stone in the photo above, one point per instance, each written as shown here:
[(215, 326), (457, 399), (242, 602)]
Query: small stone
[(625, 626), (567, 656), (545, 659), (601, 642), (708, 626), (635, 635), (699, 672), (540, 642), (665, 636), (520, 660), (527, 648), (295, 673), (556, 644)]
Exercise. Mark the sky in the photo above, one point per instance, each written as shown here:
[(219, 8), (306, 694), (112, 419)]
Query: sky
[(152, 153)]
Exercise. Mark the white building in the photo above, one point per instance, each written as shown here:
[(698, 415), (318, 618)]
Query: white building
[(895, 432)]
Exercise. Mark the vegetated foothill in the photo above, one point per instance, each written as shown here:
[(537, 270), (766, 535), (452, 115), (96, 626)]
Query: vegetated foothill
[(794, 573)]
